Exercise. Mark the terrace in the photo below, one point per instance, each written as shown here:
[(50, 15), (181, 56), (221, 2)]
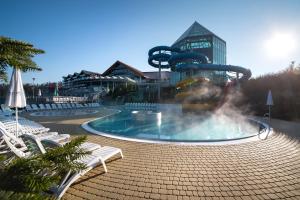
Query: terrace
[(262, 169)]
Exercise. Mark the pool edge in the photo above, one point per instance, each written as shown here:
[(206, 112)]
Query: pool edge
[(257, 137)]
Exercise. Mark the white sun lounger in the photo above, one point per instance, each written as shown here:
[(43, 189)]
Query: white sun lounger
[(59, 107), (79, 105), (54, 107), (43, 143), (40, 133), (63, 105), (48, 107), (26, 126), (28, 108), (97, 157), (42, 107), (34, 107), (69, 106), (6, 110), (83, 105)]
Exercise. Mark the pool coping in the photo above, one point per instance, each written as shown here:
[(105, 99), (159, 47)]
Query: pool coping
[(253, 138)]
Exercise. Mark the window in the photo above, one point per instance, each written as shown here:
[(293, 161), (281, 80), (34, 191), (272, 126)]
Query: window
[(200, 45)]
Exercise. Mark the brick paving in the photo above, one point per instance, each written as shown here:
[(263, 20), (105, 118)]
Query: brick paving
[(265, 169)]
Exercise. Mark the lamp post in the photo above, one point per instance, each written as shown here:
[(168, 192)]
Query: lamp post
[(33, 79), (159, 78)]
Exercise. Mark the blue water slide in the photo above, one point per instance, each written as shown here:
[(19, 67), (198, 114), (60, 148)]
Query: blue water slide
[(187, 57), (161, 54), (196, 61), (215, 67), (185, 61)]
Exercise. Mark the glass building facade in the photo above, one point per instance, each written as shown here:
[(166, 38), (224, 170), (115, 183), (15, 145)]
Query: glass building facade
[(219, 51), (199, 39)]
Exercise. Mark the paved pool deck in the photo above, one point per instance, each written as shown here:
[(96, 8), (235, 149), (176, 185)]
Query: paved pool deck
[(263, 169)]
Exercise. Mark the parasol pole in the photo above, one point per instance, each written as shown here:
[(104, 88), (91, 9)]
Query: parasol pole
[(17, 122)]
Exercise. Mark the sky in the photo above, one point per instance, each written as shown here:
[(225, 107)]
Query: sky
[(262, 35)]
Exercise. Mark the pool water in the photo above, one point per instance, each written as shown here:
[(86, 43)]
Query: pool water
[(149, 125)]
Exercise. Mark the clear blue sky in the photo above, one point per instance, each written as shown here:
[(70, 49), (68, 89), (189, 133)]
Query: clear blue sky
[(92, 35)]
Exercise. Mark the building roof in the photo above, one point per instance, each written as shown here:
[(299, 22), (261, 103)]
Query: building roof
[(154, 75), (89, 72), (83, 72), (195, 29), (117, 63)]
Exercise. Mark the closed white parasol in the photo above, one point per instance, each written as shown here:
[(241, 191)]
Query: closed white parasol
[(16, 97)]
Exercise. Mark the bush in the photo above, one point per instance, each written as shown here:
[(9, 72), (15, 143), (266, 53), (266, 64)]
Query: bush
[(285, 87)]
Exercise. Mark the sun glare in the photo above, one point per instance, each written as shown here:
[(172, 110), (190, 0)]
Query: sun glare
[(280, 45)]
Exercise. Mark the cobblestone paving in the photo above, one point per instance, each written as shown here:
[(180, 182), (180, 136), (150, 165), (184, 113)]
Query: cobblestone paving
[(265, 169)]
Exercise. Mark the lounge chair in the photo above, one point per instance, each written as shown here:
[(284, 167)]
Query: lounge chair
[(45, 144), (34, 107), (79, 105), (54, 107), (41, 133), (42, 107), (97, 157), (28, 108), (48, 107), (69, 106), (63, 105), (73, 105), (6, 110), (84, 105), (59, 107)]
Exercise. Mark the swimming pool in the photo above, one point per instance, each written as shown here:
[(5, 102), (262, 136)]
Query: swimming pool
[(157, 126)]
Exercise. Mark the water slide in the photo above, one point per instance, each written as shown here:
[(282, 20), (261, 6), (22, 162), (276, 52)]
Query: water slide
[(165, 57)]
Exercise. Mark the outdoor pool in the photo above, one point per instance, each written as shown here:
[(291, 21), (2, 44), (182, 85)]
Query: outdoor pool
[(157, 126)]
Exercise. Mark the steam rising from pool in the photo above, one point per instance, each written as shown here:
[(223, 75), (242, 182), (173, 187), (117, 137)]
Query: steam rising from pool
[(227, 121)]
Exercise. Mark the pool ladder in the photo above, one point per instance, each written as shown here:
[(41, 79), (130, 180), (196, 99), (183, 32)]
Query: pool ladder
[(266, 129)]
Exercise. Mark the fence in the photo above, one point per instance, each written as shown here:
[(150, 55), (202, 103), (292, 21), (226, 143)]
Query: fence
[(68, 99)]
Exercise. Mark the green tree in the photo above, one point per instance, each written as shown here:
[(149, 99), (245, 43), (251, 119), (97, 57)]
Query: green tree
[(17, 54), (30, 178)]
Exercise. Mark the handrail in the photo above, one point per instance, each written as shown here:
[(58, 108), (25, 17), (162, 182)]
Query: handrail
[(260, 131)]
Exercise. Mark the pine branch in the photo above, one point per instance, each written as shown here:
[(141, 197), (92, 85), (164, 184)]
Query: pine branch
[(17, 54), (34, 175)]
